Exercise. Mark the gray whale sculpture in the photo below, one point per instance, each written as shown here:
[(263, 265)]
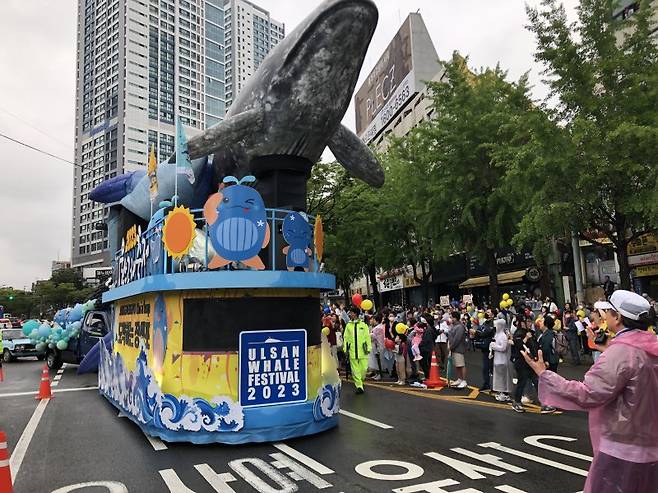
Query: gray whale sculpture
[(291, 108), (282, 120)]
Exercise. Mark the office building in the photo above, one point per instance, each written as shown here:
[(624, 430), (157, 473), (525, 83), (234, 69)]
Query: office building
[(140, 65), (392, 100), (250, 34)]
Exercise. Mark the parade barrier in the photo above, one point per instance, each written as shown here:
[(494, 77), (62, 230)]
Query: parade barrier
[(5, 473), (44, 388), (435, 374)]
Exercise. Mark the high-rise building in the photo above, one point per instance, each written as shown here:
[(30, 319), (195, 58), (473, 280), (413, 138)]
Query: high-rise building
[(250, 34), (141, 64)]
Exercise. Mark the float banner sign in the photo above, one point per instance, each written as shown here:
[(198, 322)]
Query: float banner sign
[(272, 367), (390, 84)]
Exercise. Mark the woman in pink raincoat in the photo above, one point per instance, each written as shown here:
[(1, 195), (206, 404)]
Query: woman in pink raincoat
[(620, 392)]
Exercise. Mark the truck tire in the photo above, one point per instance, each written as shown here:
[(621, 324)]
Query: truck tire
[(53, 360), (7, 357)]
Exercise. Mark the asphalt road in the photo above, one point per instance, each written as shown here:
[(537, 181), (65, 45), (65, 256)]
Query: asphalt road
[(436, 441)]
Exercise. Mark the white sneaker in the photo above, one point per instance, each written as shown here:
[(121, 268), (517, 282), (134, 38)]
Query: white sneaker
[(418, 358), (525, 400), (462, 385), (457, 383), (399, 382), (377, 377), (500, 397)]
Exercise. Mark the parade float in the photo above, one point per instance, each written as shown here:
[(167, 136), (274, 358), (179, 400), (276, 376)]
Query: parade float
[(218, 276)]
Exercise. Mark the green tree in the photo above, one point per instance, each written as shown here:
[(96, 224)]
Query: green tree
[(597, 174), (469, 204)]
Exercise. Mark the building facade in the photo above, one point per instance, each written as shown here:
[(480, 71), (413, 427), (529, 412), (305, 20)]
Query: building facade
[(142, 64), (250, 34)]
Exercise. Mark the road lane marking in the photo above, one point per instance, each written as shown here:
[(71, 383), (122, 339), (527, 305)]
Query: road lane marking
[(505, 488), (304, 459), (534, 458), (26, 437), (412, 471), (156, 443), (535, 442), (173, 482), (366, 420), (76, 389)]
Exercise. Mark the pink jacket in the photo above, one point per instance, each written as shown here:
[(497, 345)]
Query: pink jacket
[(620, 392)]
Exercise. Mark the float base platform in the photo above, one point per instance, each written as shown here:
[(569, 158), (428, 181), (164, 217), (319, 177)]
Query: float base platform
[(276, 430)]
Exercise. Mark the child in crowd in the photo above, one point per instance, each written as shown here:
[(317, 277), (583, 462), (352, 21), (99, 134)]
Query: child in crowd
[(417, 338)]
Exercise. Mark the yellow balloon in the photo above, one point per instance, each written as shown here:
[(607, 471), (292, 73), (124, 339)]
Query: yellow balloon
[(580, 314), (510, 302), (502, 304), (366, 305), (401, 328), (326, 330), (506, 297)]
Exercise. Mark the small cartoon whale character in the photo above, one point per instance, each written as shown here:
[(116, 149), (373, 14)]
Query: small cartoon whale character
[(297, 232), (238, 224)]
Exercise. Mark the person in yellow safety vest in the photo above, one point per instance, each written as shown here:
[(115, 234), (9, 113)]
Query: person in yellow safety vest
[(357, 345)]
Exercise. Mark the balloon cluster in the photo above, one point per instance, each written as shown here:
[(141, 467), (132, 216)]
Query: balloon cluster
[(364, 304), (506, 302), (66, 325)]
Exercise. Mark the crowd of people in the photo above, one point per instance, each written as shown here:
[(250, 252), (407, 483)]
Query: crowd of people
[(397, 343)]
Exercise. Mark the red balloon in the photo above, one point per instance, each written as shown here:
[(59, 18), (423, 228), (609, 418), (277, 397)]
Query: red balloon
[(357, 299), (389, 344)]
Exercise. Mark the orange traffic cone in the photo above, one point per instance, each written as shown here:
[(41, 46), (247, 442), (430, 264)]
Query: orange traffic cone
[(2, 373), (44, 388), (5, 473), (435, 375)]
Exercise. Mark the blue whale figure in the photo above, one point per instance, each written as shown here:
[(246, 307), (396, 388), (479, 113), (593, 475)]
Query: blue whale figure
[(297, 232), (238, 224)]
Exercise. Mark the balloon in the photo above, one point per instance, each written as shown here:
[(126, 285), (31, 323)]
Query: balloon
[(389, 344), (481, 315), (502, 304), (40, 346), (51, 345), (401, 328), (510, 302), (327, 310), (34, 334), (75, 314), (61, 345), (29, 326), (506, 297), (44, 330), (580, 314), (357, 299), (326, 330), (366, 305)]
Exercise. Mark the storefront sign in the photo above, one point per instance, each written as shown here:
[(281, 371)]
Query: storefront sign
[(646, 259), (646, 271), (644, 244), (272, 367), (410, 282), (390, 284)]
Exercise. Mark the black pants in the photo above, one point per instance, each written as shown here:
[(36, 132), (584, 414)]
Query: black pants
[(574, 349), (524, 374), (487, 369), (425, 362)]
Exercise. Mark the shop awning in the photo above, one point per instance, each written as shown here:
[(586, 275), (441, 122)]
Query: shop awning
[(503, 278)]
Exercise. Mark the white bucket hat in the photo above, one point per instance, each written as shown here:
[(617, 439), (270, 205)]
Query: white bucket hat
[(628, 304)]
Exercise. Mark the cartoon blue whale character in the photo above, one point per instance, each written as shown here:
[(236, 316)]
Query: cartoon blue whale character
[(159, 333), (238, 225), (297, 232)]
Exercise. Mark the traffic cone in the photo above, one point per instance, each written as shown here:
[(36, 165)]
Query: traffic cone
[(44, 388), (435, 375), (5, 473), (2, 373)]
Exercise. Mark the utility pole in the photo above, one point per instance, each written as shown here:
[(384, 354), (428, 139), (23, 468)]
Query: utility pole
[(577, 267)]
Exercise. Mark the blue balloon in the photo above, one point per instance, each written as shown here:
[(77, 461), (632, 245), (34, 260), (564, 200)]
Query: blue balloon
[(76, 313), (61, 345), (44, 330), (29, 326), (327, 310)]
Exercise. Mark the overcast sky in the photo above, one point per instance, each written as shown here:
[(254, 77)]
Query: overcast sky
[(37, 63)]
